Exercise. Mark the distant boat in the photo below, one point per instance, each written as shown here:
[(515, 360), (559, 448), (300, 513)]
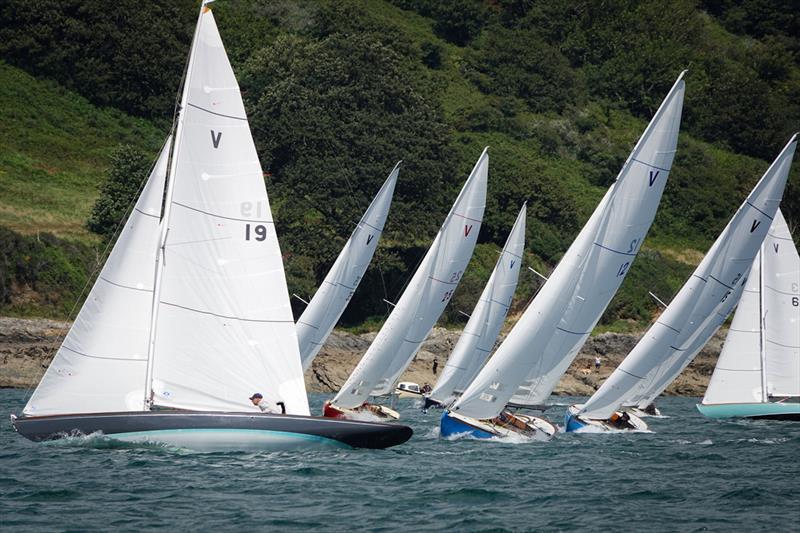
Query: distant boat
[(541, 346), (484, 324), (190, 314), (421, 305), (332, 297), (408, 389), (758, 371), (695, 314)]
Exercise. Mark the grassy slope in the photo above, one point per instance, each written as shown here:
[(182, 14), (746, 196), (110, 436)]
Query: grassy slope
[(56, 148), (54, 153)]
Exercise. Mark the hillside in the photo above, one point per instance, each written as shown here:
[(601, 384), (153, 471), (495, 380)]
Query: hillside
[(337, 92)]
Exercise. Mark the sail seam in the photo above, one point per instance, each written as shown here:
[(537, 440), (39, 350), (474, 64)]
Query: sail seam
[(759, 210), (669, 327), (572, 332), (222, 216), (123, 286), (338, 284), (444, 282), (107, 358), (226, 316), (613, 250), (782, 345), (307, 324), (787, 293), (379, 230), (629, 373), (720, 282), (145, 214), (650, 165), (189, 104), (466, 217)]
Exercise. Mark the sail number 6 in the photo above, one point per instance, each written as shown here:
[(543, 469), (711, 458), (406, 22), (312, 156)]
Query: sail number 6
[(259, 230)]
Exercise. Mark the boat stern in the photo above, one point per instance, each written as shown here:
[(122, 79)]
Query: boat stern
[(452, 424)]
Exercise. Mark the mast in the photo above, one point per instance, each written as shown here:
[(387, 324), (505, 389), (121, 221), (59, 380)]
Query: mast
[(160, 255), (762, 323)]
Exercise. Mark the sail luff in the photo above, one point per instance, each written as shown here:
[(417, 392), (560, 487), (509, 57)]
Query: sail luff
[(762, 326), (331, 299), (701, 305), (424, 299), (164, 226), (483, 327)]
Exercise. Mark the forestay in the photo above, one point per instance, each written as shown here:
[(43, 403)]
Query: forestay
[(544, 342), (743, 366), (332, 297), (223, 325), (701, 305), (101, 364), (484, 324), (425, 297)]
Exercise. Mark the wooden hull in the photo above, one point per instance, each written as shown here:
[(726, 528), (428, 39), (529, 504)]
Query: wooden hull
[(330, 410), (620, 421)]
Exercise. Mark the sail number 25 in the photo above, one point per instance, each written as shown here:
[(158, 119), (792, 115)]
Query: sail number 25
[(259, 230)]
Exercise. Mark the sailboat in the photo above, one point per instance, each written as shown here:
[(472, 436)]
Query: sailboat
[(693, 316), (758, 372), (419, 308), (484, 324), (332, 297), (190, 314), (548, 336)]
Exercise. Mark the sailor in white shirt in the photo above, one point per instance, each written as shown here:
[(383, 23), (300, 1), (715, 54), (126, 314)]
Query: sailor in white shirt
[(267, 406)]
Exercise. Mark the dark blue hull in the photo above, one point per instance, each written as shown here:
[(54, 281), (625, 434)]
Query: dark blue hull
[(449, 426)]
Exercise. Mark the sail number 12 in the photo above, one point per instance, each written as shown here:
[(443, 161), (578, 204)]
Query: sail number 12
[(259, 230)]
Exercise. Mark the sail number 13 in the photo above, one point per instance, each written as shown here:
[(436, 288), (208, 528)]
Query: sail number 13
[(259, 231)]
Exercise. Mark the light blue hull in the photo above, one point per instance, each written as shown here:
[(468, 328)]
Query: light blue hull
[(775, 411)]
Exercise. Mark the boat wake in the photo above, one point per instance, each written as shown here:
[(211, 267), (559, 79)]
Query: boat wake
[(99, 440), (590, 429)]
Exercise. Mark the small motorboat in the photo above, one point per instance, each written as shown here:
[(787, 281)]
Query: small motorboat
[(408, 389)]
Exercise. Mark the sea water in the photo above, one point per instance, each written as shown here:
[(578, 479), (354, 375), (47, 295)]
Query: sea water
[(689, 474)]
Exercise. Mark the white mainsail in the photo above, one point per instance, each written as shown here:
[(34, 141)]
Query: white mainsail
[(479, 335), (425, 297), (101, 364), (331, 299), (701, 305), (763, 343), (541, 346), (222, 326)]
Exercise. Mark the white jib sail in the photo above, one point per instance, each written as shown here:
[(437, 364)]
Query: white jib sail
[(100, 366), (332, 297), (739, 373), (546, 339), (425, 297), (224, 328), (701, 305), (479, 335)]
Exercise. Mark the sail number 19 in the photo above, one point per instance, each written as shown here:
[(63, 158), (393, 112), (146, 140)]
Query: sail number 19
[(259, 231)]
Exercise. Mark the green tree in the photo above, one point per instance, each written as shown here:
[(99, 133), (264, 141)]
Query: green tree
[(129, 169)]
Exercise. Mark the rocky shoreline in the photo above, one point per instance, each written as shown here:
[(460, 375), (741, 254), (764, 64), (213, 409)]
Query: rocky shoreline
[(28, 345)]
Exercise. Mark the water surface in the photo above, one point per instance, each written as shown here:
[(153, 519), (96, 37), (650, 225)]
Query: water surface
[(689, 474)]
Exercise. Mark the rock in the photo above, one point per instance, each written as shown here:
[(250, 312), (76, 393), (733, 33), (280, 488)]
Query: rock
[(28, 345)]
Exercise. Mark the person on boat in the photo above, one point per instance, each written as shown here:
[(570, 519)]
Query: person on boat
[(267, 406), (426, 389)]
